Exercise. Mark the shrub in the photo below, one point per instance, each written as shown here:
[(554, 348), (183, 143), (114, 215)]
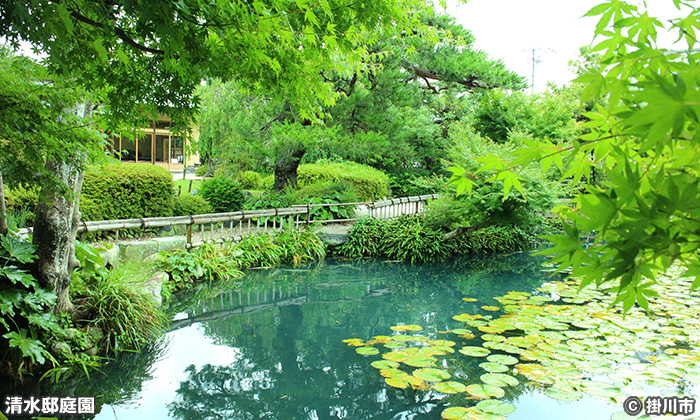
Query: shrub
[(123, 309), (223, 194), (493, 239), (126, 191), (250, 180), (364, 239), (186, 205), (20, 204), (202, 170), (370, 183), (408, 239), (406, 184)]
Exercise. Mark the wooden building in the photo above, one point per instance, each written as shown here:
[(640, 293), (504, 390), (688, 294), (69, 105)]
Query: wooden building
[(157, 144)]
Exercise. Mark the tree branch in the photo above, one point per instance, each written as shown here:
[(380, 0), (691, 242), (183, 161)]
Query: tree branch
[(118, 31), (462, 230)]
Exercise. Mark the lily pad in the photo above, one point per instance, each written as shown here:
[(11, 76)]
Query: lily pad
[(407, 328), (419, 361), (454, 413), (493, 337), (431, 374), (385, 364), (396, 382), (502, 359), (354, 342), (466, 317), (563, 395), (493, 367), (485, 391), (470, 299), (496, 407), (491, 308), (499, 379), (475, 351), (367, 351), (393, 373), (395, 345), (450, 387)]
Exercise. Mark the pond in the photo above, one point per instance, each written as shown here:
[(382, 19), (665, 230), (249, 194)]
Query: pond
[(274, 348)]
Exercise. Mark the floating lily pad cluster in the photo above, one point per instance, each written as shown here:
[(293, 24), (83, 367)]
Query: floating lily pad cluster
[(564, 341)]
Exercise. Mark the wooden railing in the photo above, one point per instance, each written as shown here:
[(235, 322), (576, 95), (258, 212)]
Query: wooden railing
[(234, 225)]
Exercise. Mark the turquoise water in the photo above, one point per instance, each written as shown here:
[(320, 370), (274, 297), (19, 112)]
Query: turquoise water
[(273, 349)]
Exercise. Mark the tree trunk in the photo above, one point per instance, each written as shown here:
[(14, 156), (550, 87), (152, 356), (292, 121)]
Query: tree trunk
[(286, 168), (462, 230), (55, 230), (56, 227), (3, 210)]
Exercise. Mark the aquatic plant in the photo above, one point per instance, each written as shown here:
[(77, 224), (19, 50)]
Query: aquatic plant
[(555, 340)]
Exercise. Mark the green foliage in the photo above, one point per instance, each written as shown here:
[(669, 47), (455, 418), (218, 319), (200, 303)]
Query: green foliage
[(187, 204), (123, 309), (412, 239), (202, 170), (407, 184), (21, 197), (250, 180), (645, 214), (329, 193), (409, 239), (126, 191), (25, 318), (364, 239), (38, 118), (213, 262), (369, 183), (494, 239), (270, 200), (223, 194), (550, 115)]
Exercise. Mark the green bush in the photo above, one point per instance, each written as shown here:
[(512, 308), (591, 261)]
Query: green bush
[(224, 194), (20, 203), (126, 191), (370, 183), (493, 239), (202, 170), (187, 205), (250, 180)]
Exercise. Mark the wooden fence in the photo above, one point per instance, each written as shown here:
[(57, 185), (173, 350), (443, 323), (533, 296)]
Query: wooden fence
[(220, 227)]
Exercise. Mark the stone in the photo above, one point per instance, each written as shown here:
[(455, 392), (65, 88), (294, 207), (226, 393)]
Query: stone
[(96, 334), (170, 243), (333, 239), (69, 334), (110, 256), (137, 251), (154, 286), (92, 351), (60, 350)]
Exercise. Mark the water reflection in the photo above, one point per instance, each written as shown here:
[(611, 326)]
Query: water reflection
[(273, 349)]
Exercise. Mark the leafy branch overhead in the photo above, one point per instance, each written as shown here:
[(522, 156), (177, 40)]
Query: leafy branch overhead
[(645, 213), (157, 53)]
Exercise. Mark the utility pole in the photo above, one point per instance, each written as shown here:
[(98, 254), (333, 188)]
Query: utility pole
[(533, 70)]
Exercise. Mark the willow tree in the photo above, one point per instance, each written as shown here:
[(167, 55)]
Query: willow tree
[(645, 214), (143, 57)]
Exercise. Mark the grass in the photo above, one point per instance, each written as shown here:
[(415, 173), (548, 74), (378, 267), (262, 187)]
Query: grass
[(184, 185)]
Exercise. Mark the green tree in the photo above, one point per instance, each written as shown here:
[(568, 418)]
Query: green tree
[(646, 214), (148, 56), (391, 114)]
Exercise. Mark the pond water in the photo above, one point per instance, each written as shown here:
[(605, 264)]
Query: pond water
[(273, 349)]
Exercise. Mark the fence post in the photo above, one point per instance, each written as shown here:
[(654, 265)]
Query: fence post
[(308, 215)]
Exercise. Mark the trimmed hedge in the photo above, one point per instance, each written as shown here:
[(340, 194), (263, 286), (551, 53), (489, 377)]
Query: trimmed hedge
[(126, 191), (187, 205), (223, 194), (370, 183)]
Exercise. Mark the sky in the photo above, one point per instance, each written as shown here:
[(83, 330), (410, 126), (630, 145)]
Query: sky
[(510, 29)]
